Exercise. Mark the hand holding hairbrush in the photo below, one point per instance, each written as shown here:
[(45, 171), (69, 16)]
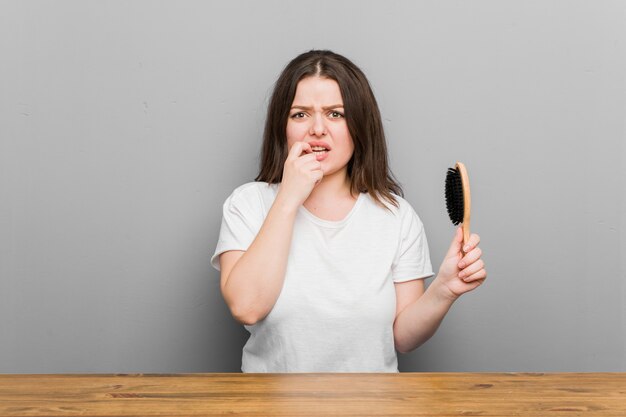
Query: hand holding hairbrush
[(462, 269)]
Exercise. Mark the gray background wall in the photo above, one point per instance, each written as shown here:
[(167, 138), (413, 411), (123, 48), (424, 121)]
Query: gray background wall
[(125, 125)]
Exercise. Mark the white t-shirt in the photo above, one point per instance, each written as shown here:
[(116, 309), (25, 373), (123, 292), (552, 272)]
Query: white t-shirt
[(336, 309)]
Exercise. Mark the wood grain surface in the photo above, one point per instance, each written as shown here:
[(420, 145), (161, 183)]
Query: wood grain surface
[(315, 394)]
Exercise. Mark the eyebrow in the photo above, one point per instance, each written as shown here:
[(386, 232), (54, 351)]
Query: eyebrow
[(309, 108)]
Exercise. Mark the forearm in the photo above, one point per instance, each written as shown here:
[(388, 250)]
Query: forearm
[(256, 280), (421, 319)]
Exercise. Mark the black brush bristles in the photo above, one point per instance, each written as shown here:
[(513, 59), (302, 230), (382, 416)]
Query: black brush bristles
[(454, 195)]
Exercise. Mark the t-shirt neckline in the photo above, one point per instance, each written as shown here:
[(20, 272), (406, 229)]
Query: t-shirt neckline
[(332, 223)]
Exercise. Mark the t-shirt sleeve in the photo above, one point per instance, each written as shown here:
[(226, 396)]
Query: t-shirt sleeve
[(240, 224), (412, 260)]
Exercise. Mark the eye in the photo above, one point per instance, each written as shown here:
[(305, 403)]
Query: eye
[(336, 114), (298, 115)]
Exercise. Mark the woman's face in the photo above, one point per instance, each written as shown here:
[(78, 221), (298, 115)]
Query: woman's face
[(317, 114)]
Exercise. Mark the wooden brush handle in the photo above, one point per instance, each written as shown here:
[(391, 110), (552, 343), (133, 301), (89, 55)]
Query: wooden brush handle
[(467, 203)]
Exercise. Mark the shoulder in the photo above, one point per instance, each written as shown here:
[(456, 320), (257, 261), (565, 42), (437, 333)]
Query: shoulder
[(251, 190), (405, 211), (253, 197), (398, 216), (401, 210)]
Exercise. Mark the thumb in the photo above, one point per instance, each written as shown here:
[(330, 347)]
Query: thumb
[(295, 150), (457, 243)]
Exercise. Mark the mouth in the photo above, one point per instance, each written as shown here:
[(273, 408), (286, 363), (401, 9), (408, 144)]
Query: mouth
[(320, 150), (319, 145)]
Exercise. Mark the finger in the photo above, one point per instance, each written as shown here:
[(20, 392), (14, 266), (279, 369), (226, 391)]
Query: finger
[(298, 148), (471, 257), (311, 157), (318, 175), (308, 156), (478, 276), (294, 151), (457, 242), (473, 240), (306, 148), (471, 269), (310, 164)]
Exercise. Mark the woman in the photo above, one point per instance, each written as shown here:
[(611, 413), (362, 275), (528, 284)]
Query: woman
[(321, 257)]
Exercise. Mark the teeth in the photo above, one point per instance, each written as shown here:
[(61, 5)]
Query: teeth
[(318, 148)]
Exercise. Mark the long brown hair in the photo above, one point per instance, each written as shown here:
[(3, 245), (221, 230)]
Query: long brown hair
[(368, 170)]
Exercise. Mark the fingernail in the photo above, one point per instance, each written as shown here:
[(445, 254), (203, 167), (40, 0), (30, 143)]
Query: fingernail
[(466, 248), (461, 265)]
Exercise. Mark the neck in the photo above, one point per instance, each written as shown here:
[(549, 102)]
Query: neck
[(331, 188)]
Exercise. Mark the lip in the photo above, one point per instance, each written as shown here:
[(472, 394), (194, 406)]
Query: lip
[(320, 143), (321, 157)]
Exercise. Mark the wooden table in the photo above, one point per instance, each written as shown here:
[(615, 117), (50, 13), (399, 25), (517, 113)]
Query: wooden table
[(320, 394)]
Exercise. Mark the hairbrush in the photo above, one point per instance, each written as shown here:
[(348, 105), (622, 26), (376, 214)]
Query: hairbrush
[(458, 200)]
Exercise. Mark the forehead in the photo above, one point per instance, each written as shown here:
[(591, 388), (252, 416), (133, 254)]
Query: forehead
[(317, 89)]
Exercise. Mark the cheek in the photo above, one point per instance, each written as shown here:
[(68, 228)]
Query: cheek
[(341, 133), (295, 132)]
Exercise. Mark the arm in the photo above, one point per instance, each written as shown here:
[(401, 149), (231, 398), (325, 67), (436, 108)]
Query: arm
[(254, 283), (416, 322), (420, 319)]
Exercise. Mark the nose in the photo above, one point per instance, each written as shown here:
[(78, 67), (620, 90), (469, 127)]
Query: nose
[(318, 128)]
